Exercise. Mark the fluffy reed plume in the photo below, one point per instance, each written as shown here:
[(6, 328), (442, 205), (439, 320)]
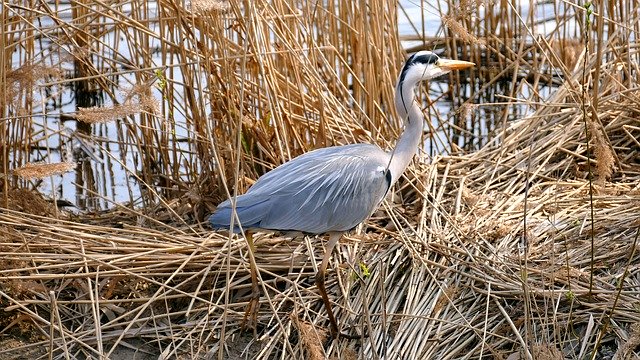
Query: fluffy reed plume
[(312, 337), (347, 354), (460, 31), (463, 10), (146, 100), (545, 352), (209, 6), (470, 5), (605, 160), (626, 351), (30, 73), (43, 170), (25, 77), (103, 114), (567, 51), (445, 298), (465, 111)]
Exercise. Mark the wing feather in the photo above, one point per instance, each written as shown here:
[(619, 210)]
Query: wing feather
[(329, 189)]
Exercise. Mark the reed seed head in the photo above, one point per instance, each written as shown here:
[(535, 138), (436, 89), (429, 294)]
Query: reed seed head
[(43, 170)]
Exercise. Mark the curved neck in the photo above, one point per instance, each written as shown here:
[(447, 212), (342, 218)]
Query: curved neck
[(413, 119)]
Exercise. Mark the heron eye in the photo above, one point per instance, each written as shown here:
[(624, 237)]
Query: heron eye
[(425, 59)]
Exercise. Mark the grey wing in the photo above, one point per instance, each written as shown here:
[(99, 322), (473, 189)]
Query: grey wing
[(330, 189)]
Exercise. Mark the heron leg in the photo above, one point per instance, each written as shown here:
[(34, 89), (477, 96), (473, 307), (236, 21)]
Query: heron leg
[(320, 276), (251, 313)]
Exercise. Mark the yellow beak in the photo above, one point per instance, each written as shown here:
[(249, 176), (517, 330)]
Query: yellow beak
[(447, 64)]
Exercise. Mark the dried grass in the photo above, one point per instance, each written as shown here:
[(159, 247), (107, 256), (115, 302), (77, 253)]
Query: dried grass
[(27, 201), (627, 349), (476, 254)]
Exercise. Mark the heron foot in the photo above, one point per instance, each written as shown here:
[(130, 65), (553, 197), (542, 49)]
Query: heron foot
[(335, 331), (250, 319)]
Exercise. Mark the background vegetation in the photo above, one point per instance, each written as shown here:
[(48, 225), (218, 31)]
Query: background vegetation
[(513, 234)]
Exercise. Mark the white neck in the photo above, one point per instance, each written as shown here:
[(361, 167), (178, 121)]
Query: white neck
[(413, 119)]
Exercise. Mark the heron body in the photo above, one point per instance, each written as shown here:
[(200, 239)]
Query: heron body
[(333, 189)]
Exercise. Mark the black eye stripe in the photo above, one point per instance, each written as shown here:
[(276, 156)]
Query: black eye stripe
[(424, 59)]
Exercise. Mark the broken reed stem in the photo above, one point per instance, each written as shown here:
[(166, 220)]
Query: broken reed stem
[(585, 119), (52, 320)]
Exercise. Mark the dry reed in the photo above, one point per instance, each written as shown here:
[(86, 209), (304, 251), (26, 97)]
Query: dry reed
[(476, 254)]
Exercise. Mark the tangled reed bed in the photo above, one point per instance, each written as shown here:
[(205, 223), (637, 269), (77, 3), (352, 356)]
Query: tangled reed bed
[(505, 252)]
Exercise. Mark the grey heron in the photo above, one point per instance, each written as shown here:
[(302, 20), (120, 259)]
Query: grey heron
[(331, 190)]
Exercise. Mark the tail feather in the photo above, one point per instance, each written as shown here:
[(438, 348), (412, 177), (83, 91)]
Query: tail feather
[(250, 215)]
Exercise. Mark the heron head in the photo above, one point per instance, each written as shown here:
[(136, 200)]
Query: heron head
[(425, 65)]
